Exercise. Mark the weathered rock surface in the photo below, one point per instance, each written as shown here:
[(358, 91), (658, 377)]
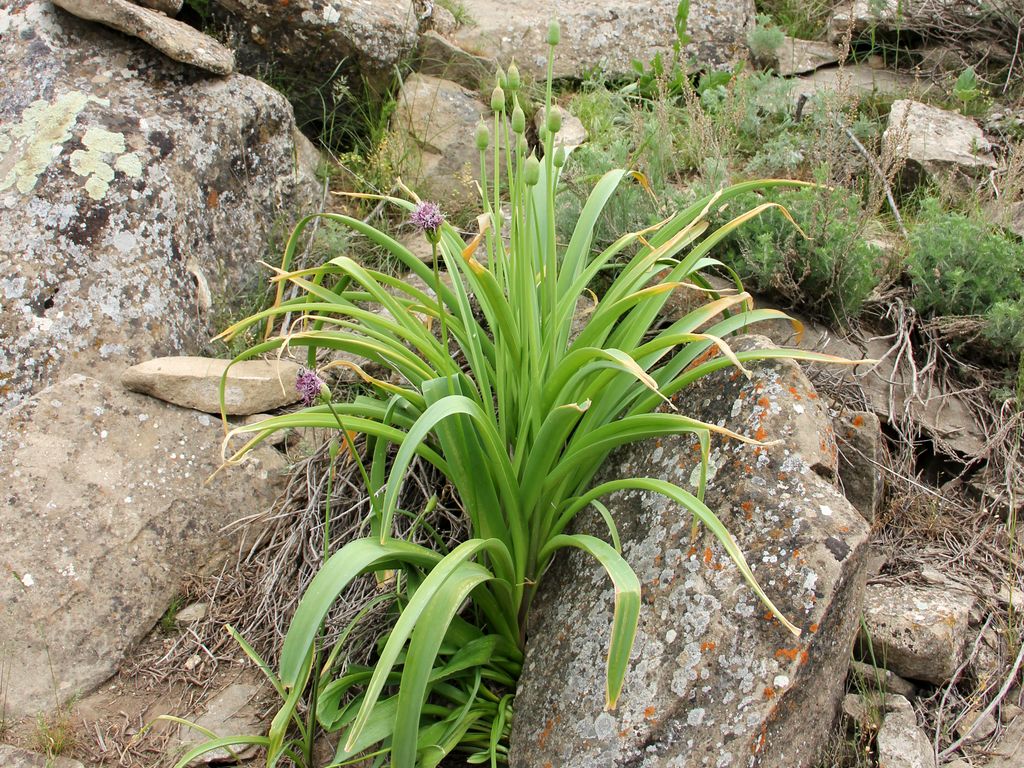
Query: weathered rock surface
[(439, 57), (880, 16), (571, 134), (917, 632), (133, 190), (13, 757), (232, 711), (604, 34), (303, 34), (861, 458), (796, 56), (901, 743), (712, 682), (856, 79), (435, 121), (867, 677), (936, 141), (169, 36), (194, 382), (105, 510), (170, 7), (1008, 751)]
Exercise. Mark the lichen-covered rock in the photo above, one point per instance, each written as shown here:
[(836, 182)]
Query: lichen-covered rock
[(435, 121), (901, 742), (936, 142), (105, 510), (605, 34), (169, 36), (861, 17), (917, 632), (300, 34), (134, 191), (713, 680), (194, 382), (861, 459)]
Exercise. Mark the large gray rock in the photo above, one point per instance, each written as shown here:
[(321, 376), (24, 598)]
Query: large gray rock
[(105, 510), (169, 36), (917, 632), (861, 460), (711, 682), (303, 34), (604, 34), (936, 142), (861, 17), (134, 191)]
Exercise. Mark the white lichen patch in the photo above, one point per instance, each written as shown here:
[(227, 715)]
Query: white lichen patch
[(28, 148), (92, 162)]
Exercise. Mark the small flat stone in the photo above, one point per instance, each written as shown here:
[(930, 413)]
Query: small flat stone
[(796, 56), (901, 742), (174, 38), (194, 382), (861, 453), (13, 757), (876, 678), (917, 632), (232, 711), (193, 613)]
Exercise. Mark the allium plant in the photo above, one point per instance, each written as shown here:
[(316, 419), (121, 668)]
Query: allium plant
[(517, 414)]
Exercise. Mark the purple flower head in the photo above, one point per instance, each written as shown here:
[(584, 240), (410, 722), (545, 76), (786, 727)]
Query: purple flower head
[(309, 385), (427, 217)]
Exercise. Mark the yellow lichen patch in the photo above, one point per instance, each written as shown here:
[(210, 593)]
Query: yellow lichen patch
[(28, 148), (93, 164)]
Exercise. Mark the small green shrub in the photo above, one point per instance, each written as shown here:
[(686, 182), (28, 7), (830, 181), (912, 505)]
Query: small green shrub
[(961, 264), (830, 272), (764, 38)]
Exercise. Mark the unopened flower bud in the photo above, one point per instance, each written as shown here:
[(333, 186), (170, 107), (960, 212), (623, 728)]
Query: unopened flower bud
[(497, 99), (483, 136), (554, 120), (499, 78), (559, 157), (531, 171), (518, 120), (554, 32), (514, 80)]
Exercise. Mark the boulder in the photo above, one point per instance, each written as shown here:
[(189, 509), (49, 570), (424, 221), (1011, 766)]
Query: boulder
[(169, 36), (605, 35), (936, 142), (106, 509), (134, 192), (917, 632), (861, 459), (194, 382), (861, 17), (713, 680), (307, 35), (13, 757), (901, 742), (170, 7), (435, 122)]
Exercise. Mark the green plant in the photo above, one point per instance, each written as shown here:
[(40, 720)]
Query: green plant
[(831, 270), (168, 622), (806, 20), (518, 412), (656, 78), (54, 733), (459, 12), (764, 38), (965, 90)]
